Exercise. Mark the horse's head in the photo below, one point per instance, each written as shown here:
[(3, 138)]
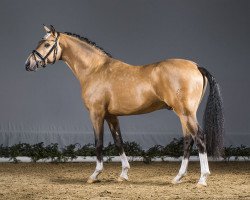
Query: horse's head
[(48, 51)]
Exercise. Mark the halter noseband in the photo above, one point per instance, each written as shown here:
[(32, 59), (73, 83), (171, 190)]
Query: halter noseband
[(43, 59)]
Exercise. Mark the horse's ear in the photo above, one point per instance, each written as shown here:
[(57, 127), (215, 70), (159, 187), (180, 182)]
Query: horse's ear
[(46, 29), (52, 29)]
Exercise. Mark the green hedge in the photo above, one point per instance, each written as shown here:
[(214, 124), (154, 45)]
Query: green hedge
[(53, 152)]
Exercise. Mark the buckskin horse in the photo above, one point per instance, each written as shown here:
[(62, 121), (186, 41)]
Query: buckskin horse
[(112, 88)]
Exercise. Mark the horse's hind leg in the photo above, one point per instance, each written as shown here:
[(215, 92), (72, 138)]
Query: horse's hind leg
[(192, 132), (116, 133), (187, 147), (201, 145)]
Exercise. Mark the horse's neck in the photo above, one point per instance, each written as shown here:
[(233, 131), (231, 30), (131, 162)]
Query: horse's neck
[(82, 58)]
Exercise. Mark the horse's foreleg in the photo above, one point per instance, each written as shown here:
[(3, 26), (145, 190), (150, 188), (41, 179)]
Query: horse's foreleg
[(97, 120), (116, 134)]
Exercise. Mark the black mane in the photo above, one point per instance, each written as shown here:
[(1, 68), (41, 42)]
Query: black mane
[(88, 41)]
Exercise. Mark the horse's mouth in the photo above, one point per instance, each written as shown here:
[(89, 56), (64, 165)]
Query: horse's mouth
[(28, 69), (31, 69)]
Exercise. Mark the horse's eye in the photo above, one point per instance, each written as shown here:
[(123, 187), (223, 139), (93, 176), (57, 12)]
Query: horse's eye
[(46, 45)]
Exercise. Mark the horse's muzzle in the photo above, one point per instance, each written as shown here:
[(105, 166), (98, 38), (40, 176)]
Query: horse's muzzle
[(28, 67), (27, 64)]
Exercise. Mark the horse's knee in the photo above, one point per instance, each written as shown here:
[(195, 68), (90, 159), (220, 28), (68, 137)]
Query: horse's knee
[(99, 146), (197, 134)]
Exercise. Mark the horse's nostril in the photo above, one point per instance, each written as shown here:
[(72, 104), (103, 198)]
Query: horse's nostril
[(27, 63)]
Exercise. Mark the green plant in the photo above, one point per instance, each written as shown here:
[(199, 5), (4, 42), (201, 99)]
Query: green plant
[(110, 151), (4, 151), (132, 149), (21, 149), (194, 152), (38, 151), (69, 152), (174, 148), (153, 152), (53, 152), (86, 150), (228, 152), (242, 151)]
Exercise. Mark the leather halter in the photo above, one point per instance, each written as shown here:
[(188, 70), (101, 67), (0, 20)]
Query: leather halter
[(43, 59)]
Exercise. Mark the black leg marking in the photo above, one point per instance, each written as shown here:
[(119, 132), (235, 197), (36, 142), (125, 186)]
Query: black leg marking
[(188, 145), (200, 141), (97, 122), (116, 133), (99, 148)]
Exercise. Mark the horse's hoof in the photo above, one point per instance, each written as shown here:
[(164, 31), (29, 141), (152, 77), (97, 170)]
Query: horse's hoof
[(176, 181), (121, 179), (90, 180), (201, 184)]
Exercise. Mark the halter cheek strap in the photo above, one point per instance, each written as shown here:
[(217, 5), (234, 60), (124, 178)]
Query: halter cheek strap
[(43, 59), (38, 54)]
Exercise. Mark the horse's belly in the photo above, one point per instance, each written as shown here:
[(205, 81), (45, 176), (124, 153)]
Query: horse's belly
[(133, 105), (136, 111)]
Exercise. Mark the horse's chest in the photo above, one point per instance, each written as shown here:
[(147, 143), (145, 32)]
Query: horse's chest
[(93, 96)]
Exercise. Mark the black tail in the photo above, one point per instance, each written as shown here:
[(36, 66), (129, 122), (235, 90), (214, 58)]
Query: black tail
[(213, 119)]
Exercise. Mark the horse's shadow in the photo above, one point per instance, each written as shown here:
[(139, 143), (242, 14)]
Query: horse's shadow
[(83, 181), (77, 181)]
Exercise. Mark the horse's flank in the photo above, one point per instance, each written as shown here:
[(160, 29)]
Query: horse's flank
[(123, 89)]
